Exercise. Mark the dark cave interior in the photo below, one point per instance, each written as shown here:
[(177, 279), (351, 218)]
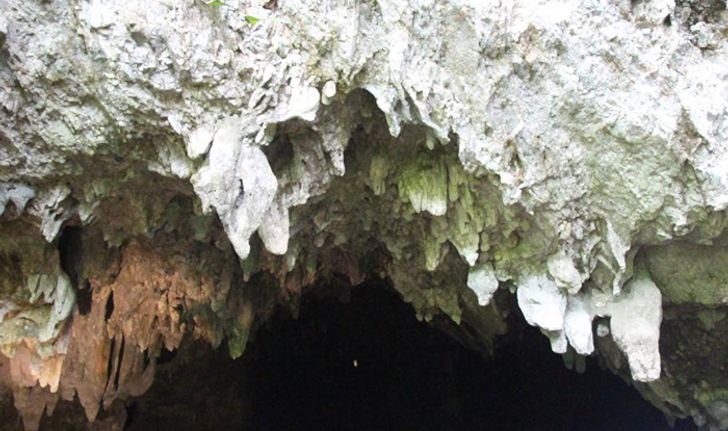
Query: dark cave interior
[(368, 364)]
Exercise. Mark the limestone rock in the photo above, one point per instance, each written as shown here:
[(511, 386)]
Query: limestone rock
[(483, 282), (573, 151), (635, 327)]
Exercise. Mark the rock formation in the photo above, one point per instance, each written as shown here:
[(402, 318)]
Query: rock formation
[(174, 168)]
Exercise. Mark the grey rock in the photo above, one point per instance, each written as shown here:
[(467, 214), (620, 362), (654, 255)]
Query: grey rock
[(542, 144)]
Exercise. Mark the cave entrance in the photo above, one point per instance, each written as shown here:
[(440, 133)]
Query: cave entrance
[(367, 364)]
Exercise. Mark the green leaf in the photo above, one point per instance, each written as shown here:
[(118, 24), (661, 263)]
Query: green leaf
[(216, 3), (251, 19)]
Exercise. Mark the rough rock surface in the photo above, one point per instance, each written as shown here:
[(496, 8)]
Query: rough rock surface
[(177, 168)]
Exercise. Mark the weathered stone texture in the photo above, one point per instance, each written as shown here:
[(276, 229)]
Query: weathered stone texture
[(574, 152)]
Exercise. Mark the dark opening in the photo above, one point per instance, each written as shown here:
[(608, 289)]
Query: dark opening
[(166, 356), (370, 365), (130, 415), (109, 307), (83, 299), (120, 361), (69, 252), (280, 153)]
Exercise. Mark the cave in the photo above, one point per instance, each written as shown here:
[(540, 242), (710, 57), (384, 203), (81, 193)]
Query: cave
[(337, 214), (360, 360)]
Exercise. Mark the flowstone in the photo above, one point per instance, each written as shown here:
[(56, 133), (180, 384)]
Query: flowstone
[(215, 161)]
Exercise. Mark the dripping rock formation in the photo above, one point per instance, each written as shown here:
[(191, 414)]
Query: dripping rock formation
[(175, 170)]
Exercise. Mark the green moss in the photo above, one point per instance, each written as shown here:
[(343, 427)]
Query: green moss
[(423, 181), (689, 273), (249, 264), (705, 394), (237, 340), (11, 277), (429, 302), (710, 317), (432, 248), (201, 226), (26, 324), (465, 223), (378, 172)]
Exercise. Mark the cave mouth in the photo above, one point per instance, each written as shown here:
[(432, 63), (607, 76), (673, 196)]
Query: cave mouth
[(366, 363)]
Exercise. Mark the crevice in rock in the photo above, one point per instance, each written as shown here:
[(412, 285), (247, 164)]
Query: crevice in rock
[(110, 362), (166, 356), (120, 362), (70, 252), (83, 298), (109, 307), (146, 359), (131, 413), (279, 152)]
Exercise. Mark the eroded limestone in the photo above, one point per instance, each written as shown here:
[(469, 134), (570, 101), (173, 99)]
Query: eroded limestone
[(452, 147)]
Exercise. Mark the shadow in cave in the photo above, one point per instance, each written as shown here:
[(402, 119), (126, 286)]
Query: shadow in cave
[(370, 365)]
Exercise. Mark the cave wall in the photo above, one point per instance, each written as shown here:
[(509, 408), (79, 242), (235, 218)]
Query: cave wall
[(177, 168)]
